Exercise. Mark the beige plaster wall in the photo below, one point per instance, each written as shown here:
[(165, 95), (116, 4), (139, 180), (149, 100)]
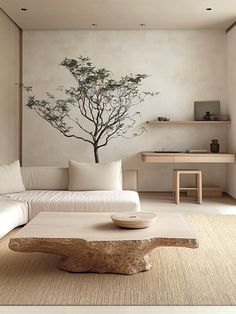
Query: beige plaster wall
[(9, 90), (231, 83), (184, 66)]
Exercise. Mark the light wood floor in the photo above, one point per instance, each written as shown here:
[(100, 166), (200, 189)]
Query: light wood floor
[(163, 202), (117, 309)]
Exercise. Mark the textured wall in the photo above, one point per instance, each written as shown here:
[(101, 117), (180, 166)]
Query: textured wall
[(231, 78), (9, 90), (184, 66)]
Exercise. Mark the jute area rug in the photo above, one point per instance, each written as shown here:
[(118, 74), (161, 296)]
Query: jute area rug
[(179, 276)]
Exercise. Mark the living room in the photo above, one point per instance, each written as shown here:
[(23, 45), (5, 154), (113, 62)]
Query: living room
[(117, 113)]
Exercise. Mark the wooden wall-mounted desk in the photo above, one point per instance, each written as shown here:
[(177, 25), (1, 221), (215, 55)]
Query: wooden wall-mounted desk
[(187, 157)]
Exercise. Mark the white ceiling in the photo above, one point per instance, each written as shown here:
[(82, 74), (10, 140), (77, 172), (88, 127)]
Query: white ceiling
[(121, 14)]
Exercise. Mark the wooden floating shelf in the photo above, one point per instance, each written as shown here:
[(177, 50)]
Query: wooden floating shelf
[(188, 122), (187, 157)]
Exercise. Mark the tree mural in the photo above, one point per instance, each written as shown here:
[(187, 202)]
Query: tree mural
[(97, 109)]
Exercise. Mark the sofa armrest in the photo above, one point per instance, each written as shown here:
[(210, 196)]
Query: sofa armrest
[(130, 180)]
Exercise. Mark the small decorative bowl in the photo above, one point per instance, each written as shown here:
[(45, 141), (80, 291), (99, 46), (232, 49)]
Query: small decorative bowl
[(134, 220), (163, 119)]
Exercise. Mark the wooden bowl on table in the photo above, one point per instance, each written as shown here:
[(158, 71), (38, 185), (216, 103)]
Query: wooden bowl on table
[(134, 220)]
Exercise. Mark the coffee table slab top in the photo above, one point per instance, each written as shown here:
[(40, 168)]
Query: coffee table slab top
[(99, 227), (91, 242)]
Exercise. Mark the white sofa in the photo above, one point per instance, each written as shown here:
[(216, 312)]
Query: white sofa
[(46, 190)]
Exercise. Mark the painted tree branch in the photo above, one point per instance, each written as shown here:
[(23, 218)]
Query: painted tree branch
[(98, 107)]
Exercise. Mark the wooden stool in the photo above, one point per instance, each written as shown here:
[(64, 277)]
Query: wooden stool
[(176, 183)]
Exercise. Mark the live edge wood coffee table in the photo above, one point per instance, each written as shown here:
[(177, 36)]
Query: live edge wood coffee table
[(90, 242)]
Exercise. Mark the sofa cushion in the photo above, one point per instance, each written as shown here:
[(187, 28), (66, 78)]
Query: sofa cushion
[(45, 178), (12, 214), (74, 201), (95, 176), (11, 179), (57, 178)]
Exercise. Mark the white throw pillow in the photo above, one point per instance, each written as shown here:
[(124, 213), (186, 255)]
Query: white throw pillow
[(11, 179), (95, 176)]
